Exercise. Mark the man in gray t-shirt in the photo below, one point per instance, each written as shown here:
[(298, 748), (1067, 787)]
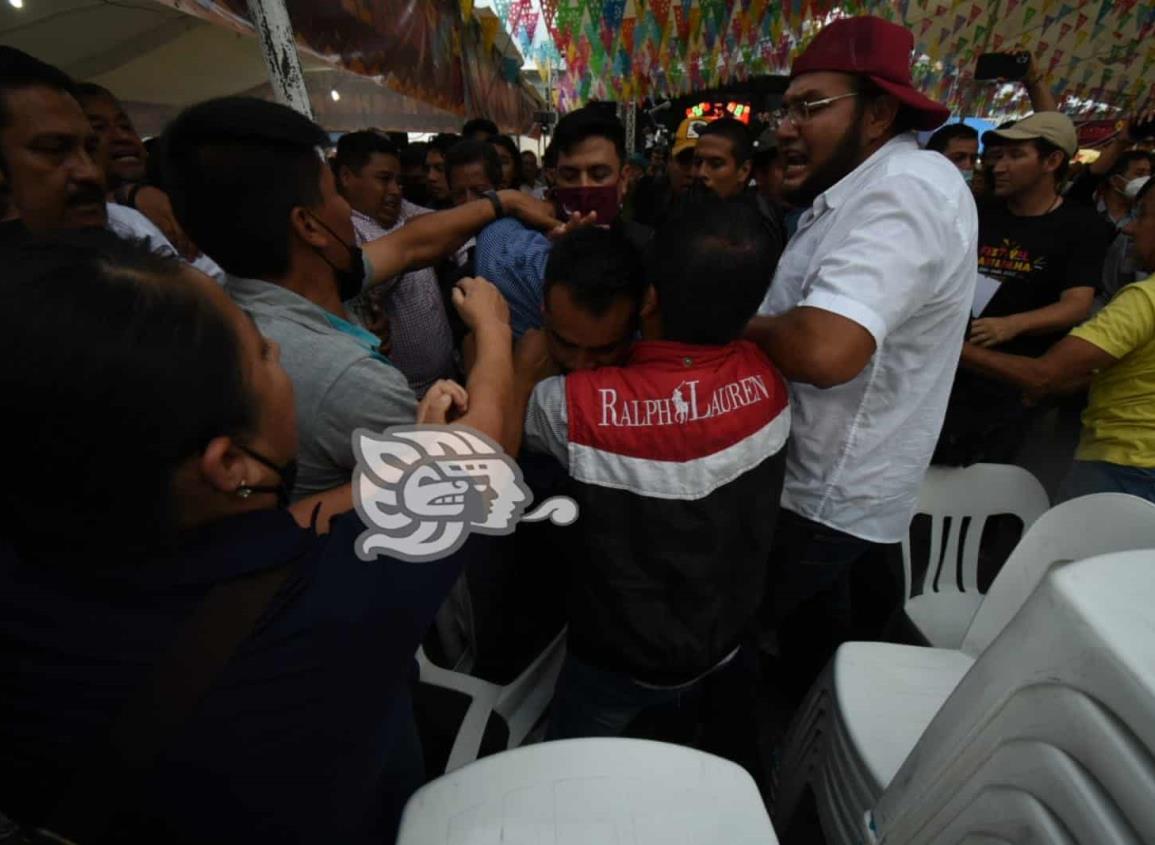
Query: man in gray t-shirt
[(249, 184), (341, 381)]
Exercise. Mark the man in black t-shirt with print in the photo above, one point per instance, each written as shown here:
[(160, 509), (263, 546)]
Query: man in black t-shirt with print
[(1040, 259)]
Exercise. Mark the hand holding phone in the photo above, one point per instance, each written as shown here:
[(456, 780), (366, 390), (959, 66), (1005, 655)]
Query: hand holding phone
[(1003, 66)]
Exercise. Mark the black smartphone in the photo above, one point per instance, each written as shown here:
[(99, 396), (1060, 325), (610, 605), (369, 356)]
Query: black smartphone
[(1010, 66)]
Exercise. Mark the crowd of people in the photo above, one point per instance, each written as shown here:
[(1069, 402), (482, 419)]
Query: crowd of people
[(738, 356)]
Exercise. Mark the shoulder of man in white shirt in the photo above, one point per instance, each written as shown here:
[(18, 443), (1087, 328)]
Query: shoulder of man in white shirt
[(130, 224), (937, 171)]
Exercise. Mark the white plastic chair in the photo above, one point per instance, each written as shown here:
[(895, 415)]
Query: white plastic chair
[(874, 700), (959, 502), (590, 792), (522, 703), (1058, 714)]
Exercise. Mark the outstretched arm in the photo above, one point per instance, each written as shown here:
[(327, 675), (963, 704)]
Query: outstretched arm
[(426, 239)]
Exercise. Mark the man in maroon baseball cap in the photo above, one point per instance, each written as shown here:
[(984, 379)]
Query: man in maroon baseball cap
[(850, 91), (865, 317)]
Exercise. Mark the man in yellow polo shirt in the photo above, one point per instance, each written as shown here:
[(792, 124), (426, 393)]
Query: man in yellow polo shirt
[(1115, 353)]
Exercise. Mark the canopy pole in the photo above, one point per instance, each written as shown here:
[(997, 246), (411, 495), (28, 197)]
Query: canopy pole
[(275, 30), (631, 125)]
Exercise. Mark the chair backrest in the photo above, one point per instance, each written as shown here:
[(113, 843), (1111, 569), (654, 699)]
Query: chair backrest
[(1074, 530), (959, 501), (592, 790), (1058, 714)]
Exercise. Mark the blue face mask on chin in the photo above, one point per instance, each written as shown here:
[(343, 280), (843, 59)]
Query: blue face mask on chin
[(968, 176)]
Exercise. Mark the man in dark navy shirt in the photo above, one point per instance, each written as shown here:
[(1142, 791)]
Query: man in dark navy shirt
[(306, 736)]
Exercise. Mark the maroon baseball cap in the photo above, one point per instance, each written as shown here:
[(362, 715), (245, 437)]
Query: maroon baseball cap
[(879, 50)]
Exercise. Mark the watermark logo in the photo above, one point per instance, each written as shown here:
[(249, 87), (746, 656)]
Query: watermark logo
[(421, 490)]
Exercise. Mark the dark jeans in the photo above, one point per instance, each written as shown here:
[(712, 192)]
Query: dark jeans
[(1087, 477), (808, 603), (716, 713), (590, 701)]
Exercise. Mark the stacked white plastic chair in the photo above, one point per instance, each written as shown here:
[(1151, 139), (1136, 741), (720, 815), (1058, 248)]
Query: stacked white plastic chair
[(874, 700), (522, 703), (1051, 735), (590, 792), (959, 501)]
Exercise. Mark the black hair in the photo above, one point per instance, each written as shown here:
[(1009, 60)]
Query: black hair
[(940, 140), (148, 373), (478, 124), (414, 154), (589, 122), (904, 120), (89, 90), (474, 152), (549, 157), (355, 149), (235, 168), (597, 266), (734, 131), (511, 148), (1127, 159), (18, 71), (710, 265), (1045, 149), (444, 142), (399, 139)]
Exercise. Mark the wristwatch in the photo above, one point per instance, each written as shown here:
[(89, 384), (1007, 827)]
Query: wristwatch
[(495, 200)]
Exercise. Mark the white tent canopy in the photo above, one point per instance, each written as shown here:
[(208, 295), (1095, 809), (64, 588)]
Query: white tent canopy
[(158, 59)]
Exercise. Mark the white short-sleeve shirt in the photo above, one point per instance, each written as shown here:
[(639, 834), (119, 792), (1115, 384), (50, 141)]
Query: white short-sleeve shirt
[(129, 223), (892, 246)]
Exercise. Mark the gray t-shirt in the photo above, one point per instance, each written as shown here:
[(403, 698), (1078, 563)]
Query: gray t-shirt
[(341, 383)]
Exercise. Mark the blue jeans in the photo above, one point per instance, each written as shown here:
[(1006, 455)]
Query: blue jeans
[(1087, 477)]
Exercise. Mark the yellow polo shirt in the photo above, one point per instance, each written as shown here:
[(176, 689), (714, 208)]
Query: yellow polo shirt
[(1119, 422)]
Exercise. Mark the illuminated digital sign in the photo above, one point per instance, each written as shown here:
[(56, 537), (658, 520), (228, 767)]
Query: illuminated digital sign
[(714, 111)]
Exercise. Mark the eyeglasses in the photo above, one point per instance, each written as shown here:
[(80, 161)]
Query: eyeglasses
[(801, 112)]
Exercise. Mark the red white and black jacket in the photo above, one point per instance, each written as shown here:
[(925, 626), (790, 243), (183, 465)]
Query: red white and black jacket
[(676, 460)]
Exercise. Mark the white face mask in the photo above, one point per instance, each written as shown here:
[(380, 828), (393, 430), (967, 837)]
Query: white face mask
[(1134, 187)]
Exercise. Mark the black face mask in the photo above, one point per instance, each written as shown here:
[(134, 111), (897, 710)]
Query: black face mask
[(288, 474), (350, 281)]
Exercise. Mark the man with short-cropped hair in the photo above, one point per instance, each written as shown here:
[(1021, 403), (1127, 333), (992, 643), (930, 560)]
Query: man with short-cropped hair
[(591, 156), (287, 241), (368, 172), (676, 459), (723, 157), (960, 144), (594, 286)]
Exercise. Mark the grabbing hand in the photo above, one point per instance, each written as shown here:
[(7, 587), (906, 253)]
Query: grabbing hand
[(576, 221), (534, 213), (446, 400), (154, 204), (480, 303), (993, 331), (377, 322)]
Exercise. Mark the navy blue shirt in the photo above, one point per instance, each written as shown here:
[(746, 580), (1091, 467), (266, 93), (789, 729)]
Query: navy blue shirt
[(308, 733)]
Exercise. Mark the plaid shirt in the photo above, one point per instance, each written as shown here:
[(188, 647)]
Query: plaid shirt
[(422, 339)]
